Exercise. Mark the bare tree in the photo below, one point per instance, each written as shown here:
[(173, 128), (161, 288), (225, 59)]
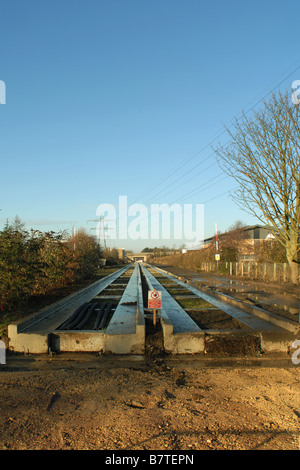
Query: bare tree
[(263, 156), (86, 251), (233, 242)]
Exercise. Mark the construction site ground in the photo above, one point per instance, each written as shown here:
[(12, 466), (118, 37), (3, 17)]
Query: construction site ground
[(152, 402)]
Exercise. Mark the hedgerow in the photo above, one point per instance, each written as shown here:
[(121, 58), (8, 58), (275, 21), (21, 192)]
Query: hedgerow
[(35, 263)]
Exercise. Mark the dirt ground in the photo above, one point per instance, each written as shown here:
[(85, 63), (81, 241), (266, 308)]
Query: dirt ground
[(152, 402), (156, 402)]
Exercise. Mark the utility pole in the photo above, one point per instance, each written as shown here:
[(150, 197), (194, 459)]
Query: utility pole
[(102, 229)]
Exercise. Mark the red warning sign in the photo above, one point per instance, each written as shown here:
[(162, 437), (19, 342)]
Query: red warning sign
[(154, 299)]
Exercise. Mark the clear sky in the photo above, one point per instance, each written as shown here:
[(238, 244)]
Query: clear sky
[(126, 98)]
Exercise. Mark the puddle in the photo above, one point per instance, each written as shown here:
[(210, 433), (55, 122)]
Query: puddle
[(284, 303), (267, 300)]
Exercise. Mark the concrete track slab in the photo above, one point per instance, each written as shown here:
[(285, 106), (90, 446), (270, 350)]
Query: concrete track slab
[(274, 334), (31, 334), (125, 333), (248, 319), (124, 318), (181, 335), (181, 321)]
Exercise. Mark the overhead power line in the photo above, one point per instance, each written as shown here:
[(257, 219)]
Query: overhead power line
[(219, 134), (198, 189)]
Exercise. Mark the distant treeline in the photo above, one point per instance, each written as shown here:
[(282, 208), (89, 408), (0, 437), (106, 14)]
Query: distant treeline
[(231, 246)]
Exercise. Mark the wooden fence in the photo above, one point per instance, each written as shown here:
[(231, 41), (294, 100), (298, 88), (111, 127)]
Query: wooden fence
[(272, 272)]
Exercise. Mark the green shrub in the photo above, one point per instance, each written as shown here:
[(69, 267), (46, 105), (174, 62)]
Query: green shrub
[(35, 263)]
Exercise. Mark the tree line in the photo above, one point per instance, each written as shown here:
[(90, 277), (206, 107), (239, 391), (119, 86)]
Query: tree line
[(35, 263), (231, 244)]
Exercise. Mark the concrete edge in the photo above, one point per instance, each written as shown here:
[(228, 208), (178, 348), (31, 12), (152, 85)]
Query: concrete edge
[(43, 341), (129, 343), (49, 310), (285, 324)]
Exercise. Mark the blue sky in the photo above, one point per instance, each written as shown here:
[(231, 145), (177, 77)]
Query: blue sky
[(126, 97)]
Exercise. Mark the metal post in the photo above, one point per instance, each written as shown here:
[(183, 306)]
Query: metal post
[(74, 238)]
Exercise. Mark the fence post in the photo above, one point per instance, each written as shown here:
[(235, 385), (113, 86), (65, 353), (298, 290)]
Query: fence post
[(284, 272), (242, 269), (230, 268), (274, 272)]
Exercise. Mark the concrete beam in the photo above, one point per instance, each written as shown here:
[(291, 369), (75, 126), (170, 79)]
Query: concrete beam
[(126, 331), (274, 333), (181, 334), (252, 316), (32, 334)]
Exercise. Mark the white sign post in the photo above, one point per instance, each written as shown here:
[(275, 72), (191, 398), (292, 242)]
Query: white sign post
[(154, 301)]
